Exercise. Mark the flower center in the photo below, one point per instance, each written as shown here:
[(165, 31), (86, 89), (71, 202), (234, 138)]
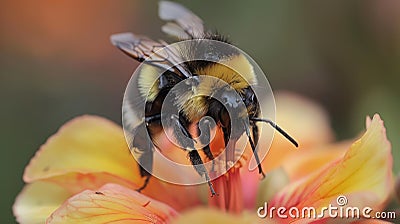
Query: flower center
[(227, 186), (229, 190)]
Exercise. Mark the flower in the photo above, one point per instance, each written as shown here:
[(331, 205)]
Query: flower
[(86, 174), (88, 155), (363, 174)]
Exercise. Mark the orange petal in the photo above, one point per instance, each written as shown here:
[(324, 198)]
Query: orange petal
[(364, 175), (304, 120), (37, 201), (112, 203), (303, 162), (86, 144), (180, 197), (209, 215)]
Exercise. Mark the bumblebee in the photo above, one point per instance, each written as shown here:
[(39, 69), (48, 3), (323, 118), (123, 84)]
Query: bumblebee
[(226, 98)]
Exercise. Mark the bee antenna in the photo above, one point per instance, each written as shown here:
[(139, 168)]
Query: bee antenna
[(280, 130)]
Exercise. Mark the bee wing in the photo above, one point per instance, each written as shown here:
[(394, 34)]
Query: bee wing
[(148, 51), (183, 23)]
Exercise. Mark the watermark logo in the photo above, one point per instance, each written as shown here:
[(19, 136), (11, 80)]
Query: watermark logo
[(341, 200), (339, 210), (169, 67)]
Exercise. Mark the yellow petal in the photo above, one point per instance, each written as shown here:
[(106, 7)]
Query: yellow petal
[(364, 175), (112, 203), (209, 215), (37, 201), (77, 182), (90, 151), (304, 120), (86, 144)]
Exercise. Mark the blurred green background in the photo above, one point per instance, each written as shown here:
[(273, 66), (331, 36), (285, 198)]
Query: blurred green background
[(56, 62)]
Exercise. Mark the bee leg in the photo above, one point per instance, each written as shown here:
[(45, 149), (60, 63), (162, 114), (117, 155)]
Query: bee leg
[(279, 129), (143, 150), (253, 146), (209, 155), (146, 167), (152, 118), (196, 161), (193, 154), (227, 135), (205, 138), (146, 181), (181, 127), (256, 134)]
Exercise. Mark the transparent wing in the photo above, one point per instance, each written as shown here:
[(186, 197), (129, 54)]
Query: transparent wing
[(148, 51), (132, 110), (183, 23), (161, 56)]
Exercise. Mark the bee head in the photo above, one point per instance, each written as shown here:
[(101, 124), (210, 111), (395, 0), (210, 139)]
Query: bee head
[(226, 105), (231, 99)]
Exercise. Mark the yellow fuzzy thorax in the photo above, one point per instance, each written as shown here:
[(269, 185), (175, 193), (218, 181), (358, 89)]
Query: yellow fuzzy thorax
[(236, 72)]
